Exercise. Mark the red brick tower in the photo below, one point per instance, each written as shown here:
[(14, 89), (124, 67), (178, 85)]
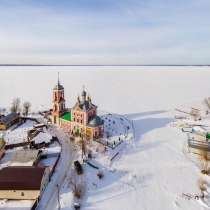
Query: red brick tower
[(58, 102)]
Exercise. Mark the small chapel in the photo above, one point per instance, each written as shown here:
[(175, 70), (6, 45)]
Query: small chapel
[(81, 119)]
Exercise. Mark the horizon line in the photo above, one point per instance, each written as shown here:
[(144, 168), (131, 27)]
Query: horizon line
[(104, 64)]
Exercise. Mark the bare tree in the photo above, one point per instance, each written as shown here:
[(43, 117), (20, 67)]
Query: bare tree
[(26, 108), (2, 111), (82, 144), (15, 105)]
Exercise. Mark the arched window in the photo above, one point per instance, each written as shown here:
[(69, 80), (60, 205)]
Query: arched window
[(55, 108), (55, 96)]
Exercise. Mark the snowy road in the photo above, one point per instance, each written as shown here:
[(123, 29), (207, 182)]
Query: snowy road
[(49, 199)]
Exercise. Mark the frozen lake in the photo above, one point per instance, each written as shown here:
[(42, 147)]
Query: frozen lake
[(128, 89)]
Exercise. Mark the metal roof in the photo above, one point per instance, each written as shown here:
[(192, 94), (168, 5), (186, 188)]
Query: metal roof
[(96, 121), (21, 178), (9, 118), (58, 87), (84, 106), (66, 116)]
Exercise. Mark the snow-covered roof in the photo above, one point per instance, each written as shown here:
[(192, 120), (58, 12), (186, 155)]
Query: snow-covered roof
[(24, 156), (19, 134), (42, 137), (9, 118)]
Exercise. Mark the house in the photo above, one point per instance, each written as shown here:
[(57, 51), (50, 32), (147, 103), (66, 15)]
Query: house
[(9, 120), (81, 119), (23, 182), (2, 147)]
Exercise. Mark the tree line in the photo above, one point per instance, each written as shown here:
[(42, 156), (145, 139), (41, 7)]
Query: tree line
[(17, 107)]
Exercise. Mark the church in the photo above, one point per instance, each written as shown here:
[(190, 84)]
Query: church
[(81, 119)]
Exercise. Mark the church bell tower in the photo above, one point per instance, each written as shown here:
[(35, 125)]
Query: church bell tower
[(58, 102)]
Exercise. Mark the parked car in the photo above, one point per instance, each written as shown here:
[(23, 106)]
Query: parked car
[(78, 167), (76, 206)]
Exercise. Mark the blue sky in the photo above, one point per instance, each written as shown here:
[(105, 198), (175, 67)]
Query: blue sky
[(105, 31)]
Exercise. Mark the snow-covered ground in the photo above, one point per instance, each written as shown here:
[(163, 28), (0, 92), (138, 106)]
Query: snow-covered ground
[(152, 171), (16, 204)]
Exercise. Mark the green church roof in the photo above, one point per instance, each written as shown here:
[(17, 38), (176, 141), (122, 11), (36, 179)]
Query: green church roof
[(208, 135), (66, 116)]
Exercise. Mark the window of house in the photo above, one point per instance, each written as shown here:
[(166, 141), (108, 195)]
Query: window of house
[(22, 193)]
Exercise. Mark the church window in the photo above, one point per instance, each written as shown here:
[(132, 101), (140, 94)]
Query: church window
[(55, 107)]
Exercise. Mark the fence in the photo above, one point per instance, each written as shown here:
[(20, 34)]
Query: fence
[(198, 145), (108, 144)]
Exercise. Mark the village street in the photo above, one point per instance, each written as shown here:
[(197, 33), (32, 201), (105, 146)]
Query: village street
[(49, 199)]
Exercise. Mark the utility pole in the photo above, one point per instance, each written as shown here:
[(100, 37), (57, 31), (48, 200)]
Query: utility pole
[(83, 146), (59, 204)]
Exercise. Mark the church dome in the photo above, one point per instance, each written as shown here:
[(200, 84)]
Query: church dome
[(96, 121), (84, 93)]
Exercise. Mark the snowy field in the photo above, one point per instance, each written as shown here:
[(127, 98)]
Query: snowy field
[(154, 170)]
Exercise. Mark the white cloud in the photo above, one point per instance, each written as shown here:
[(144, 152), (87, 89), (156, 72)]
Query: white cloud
[(124, 32)]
